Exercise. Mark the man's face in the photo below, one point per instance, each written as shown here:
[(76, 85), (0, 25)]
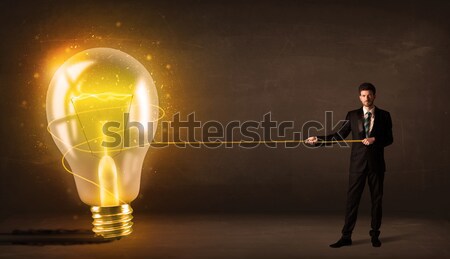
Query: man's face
[(367, 98)]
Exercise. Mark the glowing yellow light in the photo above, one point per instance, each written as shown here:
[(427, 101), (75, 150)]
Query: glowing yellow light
[(92, 88), (107, 175)]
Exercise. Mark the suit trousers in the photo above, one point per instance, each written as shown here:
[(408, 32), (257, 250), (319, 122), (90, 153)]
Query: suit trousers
[(357, 181)]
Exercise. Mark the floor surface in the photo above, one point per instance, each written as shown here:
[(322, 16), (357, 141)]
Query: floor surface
[(239, 236)]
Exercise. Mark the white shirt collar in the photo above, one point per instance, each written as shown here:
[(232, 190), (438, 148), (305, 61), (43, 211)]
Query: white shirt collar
[(372, 111)]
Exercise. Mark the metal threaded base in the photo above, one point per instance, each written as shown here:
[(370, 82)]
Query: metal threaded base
[(112, 222)]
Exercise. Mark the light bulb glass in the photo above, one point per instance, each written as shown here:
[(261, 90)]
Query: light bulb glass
[(92, 89)]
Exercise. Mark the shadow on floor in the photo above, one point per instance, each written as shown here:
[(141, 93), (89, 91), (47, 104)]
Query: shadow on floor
[(394, 238), (42, 237), (387, 239)]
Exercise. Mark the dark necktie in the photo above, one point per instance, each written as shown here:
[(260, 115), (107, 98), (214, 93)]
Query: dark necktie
[(367, 123)]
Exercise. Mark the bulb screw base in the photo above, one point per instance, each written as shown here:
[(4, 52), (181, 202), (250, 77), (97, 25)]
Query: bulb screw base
[(112, 222)]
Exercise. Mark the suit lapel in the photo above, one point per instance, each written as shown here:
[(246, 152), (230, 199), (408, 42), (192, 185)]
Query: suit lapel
[(375, 123), (361, 123)]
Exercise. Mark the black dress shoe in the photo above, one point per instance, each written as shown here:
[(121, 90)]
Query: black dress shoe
[(342, 242), (376, 242)]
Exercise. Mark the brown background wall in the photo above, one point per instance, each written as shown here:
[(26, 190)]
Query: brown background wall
[(238, 61)]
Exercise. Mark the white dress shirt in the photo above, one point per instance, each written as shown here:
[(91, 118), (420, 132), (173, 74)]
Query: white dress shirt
[(372, 116)]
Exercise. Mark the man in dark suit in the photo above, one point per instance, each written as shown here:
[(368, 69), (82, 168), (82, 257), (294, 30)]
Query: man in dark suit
[(373, 126)]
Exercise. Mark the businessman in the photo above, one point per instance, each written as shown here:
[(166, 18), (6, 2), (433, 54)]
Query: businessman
[(373, 126)]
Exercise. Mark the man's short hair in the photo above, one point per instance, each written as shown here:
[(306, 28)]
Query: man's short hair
[(367, 87)]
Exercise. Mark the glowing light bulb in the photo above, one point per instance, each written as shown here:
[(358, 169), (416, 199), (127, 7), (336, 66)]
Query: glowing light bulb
[(92, 88)]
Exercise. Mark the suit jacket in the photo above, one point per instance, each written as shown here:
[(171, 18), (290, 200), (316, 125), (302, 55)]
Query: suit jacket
[(362, 154)]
